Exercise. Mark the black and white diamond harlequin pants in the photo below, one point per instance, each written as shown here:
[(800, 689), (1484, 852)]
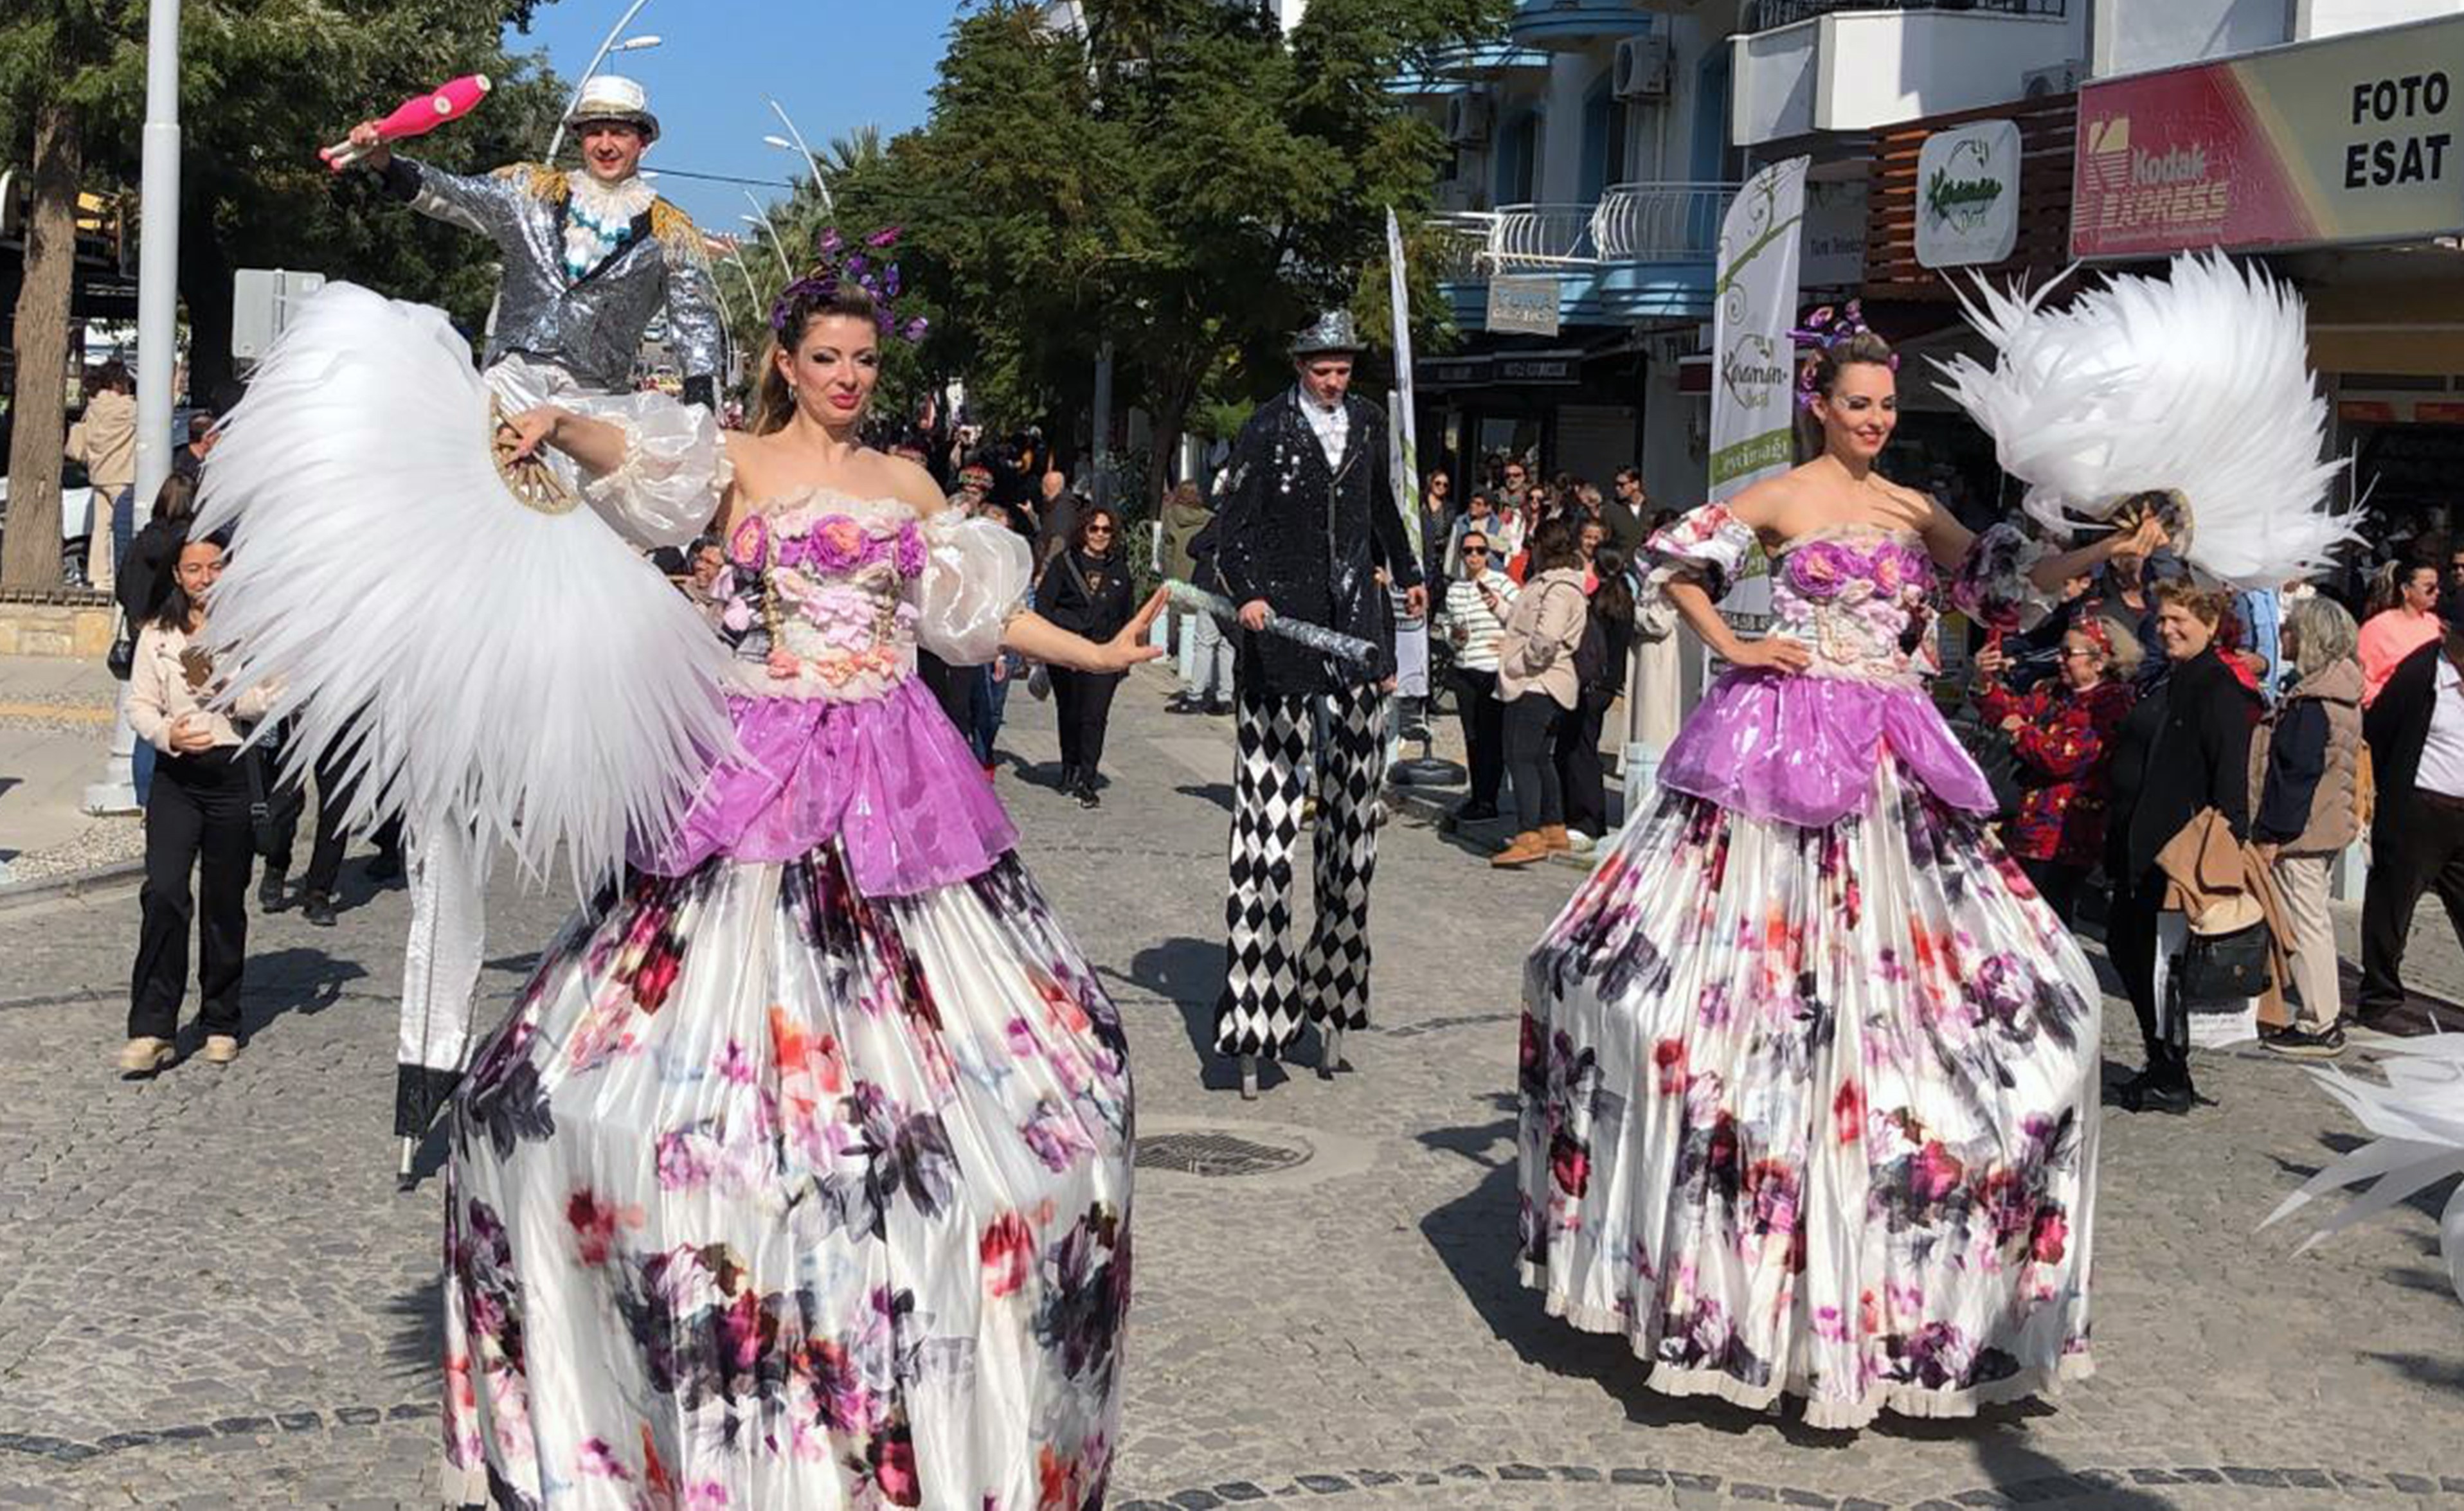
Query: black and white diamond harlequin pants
[(1268, 989)]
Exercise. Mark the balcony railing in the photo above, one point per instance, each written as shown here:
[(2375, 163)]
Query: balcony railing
[(1632, 223), (1462, 239), (1763, 15)]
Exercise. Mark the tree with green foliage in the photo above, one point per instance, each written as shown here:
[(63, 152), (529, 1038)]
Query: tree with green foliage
[(1178, 178), (262, 84)]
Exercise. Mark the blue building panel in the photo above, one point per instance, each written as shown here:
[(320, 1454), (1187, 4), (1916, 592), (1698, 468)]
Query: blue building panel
[(1572, 22), (1622, 294)]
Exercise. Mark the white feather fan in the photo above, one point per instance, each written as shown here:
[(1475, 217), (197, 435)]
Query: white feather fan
[(473, 659), (2196, 385), (2419, 1119)]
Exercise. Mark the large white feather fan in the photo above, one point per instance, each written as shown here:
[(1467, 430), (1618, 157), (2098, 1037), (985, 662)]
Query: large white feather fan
[(472, 660), (2196, 385), (2419, 1119)]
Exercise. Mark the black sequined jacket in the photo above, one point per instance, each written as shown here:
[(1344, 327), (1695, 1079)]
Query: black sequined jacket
[(1308, 538)]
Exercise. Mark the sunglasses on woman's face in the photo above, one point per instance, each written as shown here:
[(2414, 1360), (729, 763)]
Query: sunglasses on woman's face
[(1474, 551), (1099, 529)]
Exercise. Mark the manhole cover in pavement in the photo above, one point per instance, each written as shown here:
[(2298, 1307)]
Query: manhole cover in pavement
[(1213, 1154)]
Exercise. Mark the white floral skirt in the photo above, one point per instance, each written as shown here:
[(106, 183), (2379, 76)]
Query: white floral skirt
[(1814, 1111), (772, 1194)]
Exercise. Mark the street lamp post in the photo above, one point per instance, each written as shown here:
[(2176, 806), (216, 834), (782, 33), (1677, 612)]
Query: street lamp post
[(750, 287), (158, 299), (821, 184), (628, 44), (761, 218)]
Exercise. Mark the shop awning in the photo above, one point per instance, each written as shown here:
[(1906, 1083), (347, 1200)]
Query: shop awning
[(2413, 327)]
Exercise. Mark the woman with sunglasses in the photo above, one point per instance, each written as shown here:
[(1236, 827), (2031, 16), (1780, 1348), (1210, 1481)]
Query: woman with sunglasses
[(1478, 599), (2062, 731), (1086, 588)]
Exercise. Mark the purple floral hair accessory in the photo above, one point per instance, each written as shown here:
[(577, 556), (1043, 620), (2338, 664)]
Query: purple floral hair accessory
[(838, 268), (1827, 330)]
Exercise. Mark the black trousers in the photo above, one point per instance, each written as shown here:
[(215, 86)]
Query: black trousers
[(334, 793), (285, 801), (2131, 941), (1483, 723), (1083, 706), (1531, 723), (2058, 884), (953, 687), (2416, 847), (1577, 756), (197, 820)]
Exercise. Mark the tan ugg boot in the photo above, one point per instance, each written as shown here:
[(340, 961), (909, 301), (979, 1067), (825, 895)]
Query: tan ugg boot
[(1522, 850), (145, 1056), (1553, 836)]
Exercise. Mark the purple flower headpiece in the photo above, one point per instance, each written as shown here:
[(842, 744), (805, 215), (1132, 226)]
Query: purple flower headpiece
[(1826, 330), (867, 268)]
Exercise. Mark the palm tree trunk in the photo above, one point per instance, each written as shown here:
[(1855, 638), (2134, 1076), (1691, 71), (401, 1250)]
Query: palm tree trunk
[(30, 555)]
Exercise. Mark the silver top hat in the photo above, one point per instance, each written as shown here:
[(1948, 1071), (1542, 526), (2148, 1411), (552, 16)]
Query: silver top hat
[(1331, 333), (611, 97)]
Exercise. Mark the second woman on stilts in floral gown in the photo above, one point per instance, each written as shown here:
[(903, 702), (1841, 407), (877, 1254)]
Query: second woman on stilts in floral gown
[(1809, 1071)]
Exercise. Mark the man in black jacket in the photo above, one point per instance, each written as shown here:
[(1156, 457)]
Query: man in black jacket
[(1308, 520), (2415, 729)]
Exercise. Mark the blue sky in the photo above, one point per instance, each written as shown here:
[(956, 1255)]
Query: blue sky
[(834, 64)]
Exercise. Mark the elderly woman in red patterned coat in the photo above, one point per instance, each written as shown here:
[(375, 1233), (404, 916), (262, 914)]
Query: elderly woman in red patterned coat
[(2060, 732)]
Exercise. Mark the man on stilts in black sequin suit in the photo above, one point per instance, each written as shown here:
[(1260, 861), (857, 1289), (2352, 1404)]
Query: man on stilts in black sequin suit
[(1307, 524)]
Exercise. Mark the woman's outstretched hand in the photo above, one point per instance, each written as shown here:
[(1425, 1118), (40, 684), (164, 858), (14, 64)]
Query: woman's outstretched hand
[(1135, 643)]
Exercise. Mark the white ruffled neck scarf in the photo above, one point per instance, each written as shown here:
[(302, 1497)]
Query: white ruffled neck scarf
[(598, 219)]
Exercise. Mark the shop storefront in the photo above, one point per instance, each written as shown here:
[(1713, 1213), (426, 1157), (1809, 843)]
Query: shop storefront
[(1578, 409), (2342, 163), (1974, 194)]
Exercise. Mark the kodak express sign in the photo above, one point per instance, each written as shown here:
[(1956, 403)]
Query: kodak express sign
[(2355, 140)]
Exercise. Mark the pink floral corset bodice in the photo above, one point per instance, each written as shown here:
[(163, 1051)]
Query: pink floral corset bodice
[(1861, 598), (819, 598)]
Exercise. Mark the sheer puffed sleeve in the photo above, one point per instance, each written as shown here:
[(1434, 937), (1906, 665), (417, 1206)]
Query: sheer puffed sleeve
[(975, 577), (1992, 586), (674, 472), (1707, 546)]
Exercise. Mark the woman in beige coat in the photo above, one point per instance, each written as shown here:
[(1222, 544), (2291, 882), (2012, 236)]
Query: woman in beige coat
[(2305, 781), (1535, 681)]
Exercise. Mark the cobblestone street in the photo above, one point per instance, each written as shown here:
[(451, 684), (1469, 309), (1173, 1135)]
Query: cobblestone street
[(213, 1296)]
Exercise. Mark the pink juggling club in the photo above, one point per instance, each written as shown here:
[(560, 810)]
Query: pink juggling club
[(418, 116)]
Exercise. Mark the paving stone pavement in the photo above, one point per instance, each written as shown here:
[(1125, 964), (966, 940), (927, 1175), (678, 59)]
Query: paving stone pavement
[(210, 1294)]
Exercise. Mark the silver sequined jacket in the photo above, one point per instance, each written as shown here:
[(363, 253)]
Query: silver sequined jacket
[(592, 328)]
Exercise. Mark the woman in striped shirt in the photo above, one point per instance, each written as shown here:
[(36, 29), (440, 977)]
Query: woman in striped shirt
[(1477, 602)]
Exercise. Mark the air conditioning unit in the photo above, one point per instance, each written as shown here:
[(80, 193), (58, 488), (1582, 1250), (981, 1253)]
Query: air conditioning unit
[(1642, 70), (2045, 83), (1456, 195), (1468, 116)]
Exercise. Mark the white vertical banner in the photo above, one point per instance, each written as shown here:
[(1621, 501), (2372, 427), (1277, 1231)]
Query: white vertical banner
[(1753, 386), (1754, 420), (1404, 448)]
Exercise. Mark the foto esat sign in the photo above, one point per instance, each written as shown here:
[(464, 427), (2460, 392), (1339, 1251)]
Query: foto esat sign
[(2406, 105)]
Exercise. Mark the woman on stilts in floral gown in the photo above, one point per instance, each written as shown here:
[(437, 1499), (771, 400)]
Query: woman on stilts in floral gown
[(800, 1175), (1809, 1071)]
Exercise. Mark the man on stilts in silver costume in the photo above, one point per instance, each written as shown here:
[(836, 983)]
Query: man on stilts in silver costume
[(590, 257)]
